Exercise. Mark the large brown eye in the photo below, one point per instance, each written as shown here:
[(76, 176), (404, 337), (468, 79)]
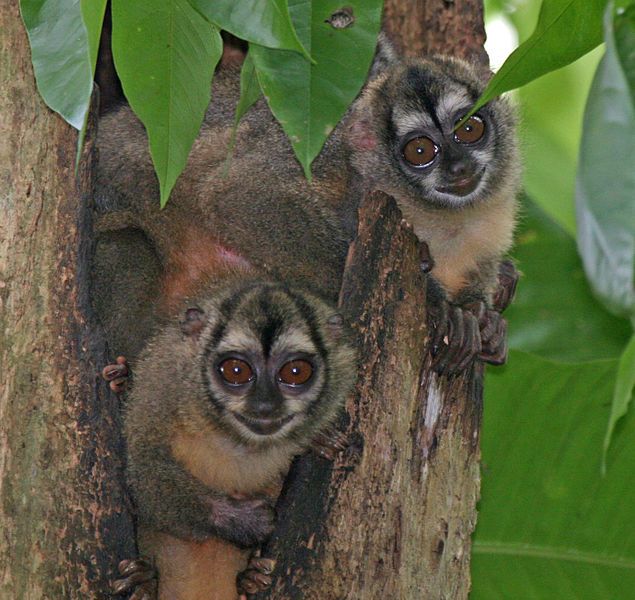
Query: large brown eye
[(235, 371), (295, 372), (471, 131), (420, 151)]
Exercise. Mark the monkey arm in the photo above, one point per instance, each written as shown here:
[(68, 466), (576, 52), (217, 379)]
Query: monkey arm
[(171, 500)]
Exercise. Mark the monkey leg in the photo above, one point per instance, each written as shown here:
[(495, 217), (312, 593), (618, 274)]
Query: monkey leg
[(191, 570), (117, 375), (507, 281), (138, 578), (256, 577)]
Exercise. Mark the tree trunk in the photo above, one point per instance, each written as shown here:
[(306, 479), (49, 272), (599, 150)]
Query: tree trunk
[(393, 517), (62, 506)]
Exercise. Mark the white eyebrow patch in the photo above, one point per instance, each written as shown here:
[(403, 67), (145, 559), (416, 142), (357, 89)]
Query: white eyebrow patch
[(406, 122), (453, 101)]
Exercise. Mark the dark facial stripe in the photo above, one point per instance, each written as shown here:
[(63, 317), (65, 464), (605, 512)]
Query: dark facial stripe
[(422, 84), (273, 323)]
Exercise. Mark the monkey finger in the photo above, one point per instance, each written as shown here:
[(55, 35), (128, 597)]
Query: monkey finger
[(146, 591), (452, 343), (438, 324), (329, 443), (472, 344), (132, 565), (490, 324), (116, 370), (507, 281), (495, 350)]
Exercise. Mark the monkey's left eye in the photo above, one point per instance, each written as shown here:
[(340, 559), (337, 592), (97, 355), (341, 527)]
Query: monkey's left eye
[(295, 372), (420, 151), (471, 131), (235, 371)]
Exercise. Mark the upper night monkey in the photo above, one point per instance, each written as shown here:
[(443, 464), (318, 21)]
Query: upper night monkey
[(456, 183)]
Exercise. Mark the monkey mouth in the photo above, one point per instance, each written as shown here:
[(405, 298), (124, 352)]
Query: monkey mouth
[(263, 426), (464, 186)]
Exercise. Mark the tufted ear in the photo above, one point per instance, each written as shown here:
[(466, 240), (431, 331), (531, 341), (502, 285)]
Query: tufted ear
[(385, 56), (193, 322)]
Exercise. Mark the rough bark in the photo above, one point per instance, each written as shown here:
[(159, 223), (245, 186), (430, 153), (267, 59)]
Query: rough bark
[(62, 508), (452, 27)]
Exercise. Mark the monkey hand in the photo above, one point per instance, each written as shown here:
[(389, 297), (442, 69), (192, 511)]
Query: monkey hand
[(138, 578), (329, 443), (117, 375), (256, 577), (507, 281), (243, 522), (455, 337)]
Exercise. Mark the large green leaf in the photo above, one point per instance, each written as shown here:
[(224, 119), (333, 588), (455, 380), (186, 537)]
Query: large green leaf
[(309, 99), (550, 526), (624, 26), (264, 22), (165, 54), (622, 395), (93, 15), (61, 56), (554, 313), (606, 182), (566, 30)]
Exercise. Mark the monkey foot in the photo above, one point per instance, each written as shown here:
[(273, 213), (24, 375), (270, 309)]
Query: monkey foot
[(256, 577), (507, 281), (456, 339), (329, 443), (117, 374), (138, 579)]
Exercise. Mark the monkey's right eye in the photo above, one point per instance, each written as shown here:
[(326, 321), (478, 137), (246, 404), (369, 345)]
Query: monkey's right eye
[(235, 371), (420, 151)]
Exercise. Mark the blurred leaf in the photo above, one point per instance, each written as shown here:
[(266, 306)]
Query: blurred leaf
[(165, 54), (307, 99), (622, 395), (550, 526), (61, 56), (555, 314), (264, 22), (624, 28), (606, 181), (550, 126), (566, 30), (93, 14)]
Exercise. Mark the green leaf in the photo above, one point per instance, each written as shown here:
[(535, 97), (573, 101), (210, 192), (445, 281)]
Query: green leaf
[(605, 183), (555, 313), (264, 22), (566, 30), (165, 54), (624, 28), (622, 395), (93, 15), (61, 56), (550, 526), (249, 94), (309, 99)]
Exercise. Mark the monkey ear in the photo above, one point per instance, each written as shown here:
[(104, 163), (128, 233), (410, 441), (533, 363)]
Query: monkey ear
[(193, 322), (335, 325), (385, 56)]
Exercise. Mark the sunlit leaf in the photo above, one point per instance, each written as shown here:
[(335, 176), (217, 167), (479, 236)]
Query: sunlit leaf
[(566, 30), (550, 526), (606, 181), (309, 99), (624, 385), (61, 56), (165, 54), (624, 28), (93, 14), (264, 22)]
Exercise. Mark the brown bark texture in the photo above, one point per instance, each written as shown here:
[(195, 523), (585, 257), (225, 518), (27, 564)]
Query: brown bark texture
[(452, 27), (63, 511)]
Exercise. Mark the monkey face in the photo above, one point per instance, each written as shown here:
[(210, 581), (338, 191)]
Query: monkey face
[(408, 137), (266, 363)]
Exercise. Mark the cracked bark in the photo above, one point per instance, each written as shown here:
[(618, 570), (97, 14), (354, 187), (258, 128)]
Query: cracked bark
[(62, 508)]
